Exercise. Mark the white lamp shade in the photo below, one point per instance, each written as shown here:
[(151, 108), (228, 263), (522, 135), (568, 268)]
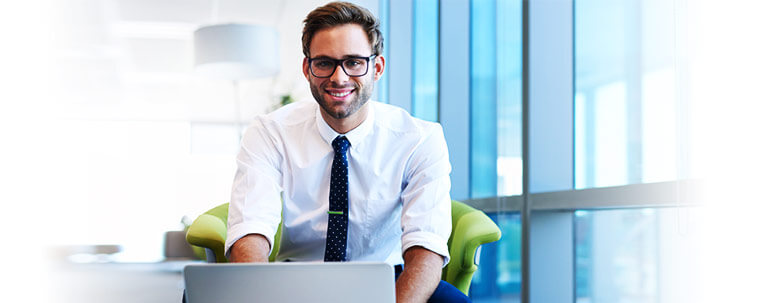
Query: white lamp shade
[(236, 51)]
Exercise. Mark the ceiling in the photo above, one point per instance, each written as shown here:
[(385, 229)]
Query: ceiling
[(133, 59)]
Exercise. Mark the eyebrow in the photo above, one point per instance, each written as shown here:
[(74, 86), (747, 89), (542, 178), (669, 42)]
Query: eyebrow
[(342, 58)]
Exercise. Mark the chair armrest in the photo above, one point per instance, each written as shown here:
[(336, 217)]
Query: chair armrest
[(475, 229), (208, 231), (471, 228)]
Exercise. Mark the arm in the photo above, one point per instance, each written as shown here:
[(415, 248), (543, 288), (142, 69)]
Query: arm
[(251, 248), (421, 275), (426, 221), (426, 207), (254, 210)]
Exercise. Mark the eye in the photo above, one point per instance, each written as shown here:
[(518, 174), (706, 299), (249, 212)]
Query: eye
[(354, 63), (323, 64)]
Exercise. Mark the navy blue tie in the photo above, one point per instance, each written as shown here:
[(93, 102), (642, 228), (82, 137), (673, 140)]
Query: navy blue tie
[(338, 213)]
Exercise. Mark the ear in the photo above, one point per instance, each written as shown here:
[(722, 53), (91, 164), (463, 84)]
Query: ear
[(380, 63), (306, 68)]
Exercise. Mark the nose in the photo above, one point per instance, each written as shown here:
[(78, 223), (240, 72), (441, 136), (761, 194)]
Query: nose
[(339, 75)]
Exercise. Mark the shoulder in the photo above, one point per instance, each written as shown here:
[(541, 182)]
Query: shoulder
[(289, 115), (423, 141), (398, 120)]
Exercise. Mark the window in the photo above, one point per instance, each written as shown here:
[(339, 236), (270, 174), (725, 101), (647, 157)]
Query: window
[(509, 96), (496, 93), (628, 125), (631, 128), (496, 150), (425, 59), (635, 255), (499, 273)]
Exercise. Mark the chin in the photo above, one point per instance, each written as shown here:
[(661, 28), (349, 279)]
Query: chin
[(337, 109), (340, 114)]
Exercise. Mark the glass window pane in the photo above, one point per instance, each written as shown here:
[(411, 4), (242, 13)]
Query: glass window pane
[(425, 59), (637, 255), (509, 96), (626, 103), (483, 99), (496, 96), (499, 274)]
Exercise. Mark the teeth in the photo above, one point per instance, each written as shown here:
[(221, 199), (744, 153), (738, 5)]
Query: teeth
[(340, 94)]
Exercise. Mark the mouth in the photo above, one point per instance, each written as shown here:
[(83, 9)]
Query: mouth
[(339, 94)]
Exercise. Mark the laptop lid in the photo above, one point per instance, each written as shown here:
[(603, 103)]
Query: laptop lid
[(299, 282)]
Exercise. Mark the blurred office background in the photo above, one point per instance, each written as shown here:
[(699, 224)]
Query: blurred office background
[(592, 131)]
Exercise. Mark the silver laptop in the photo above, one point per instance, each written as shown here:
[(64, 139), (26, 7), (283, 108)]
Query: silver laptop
[(299, 282)]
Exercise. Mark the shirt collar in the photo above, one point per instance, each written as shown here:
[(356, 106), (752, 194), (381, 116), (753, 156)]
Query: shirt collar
[(354, 136)]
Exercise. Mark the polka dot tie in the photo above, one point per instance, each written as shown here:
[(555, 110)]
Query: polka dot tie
[(338, 213)]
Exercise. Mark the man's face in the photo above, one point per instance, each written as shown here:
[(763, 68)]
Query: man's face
[(340, 95)]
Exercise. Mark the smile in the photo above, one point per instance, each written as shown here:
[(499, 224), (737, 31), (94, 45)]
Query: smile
[(340, 94)]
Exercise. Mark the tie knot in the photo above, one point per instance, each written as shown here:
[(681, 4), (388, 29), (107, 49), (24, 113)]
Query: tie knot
[(341, 144)]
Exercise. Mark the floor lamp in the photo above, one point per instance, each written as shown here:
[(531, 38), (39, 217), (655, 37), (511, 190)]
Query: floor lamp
[(236, 52)]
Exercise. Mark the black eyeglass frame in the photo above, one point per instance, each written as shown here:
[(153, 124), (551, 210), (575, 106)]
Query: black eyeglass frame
[(337, 62)]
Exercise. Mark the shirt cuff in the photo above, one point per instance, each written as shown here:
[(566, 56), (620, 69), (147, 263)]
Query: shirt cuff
[(235, 233), (428, 240)]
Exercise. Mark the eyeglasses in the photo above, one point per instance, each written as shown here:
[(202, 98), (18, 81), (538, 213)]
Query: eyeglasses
[(353, 66)]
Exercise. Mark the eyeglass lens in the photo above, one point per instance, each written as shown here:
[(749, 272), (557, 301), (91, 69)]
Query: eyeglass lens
[(354, 67)]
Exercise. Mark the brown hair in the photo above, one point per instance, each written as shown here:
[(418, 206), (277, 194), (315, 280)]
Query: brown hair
[(340, 13)]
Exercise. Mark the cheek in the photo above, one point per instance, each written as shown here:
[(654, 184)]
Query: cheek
[(359, 84), (314, 82), (366, 82)]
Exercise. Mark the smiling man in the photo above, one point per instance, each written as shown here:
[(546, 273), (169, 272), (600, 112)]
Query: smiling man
[(359, 180), (342, 94)]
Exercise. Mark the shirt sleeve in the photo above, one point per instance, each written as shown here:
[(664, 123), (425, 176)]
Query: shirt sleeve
[(255, 206), (426, 205)]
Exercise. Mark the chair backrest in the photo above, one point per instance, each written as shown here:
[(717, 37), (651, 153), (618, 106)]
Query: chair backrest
[(471, 228)]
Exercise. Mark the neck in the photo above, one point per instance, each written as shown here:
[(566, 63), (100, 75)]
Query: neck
[(345, 125)]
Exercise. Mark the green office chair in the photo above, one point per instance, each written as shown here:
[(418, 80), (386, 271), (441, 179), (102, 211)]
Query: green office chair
[(471, 228)]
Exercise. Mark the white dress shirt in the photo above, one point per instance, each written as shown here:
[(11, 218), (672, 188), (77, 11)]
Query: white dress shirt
[(399, 184)]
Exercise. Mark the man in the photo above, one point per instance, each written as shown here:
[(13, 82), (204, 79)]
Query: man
[(360, 181)]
